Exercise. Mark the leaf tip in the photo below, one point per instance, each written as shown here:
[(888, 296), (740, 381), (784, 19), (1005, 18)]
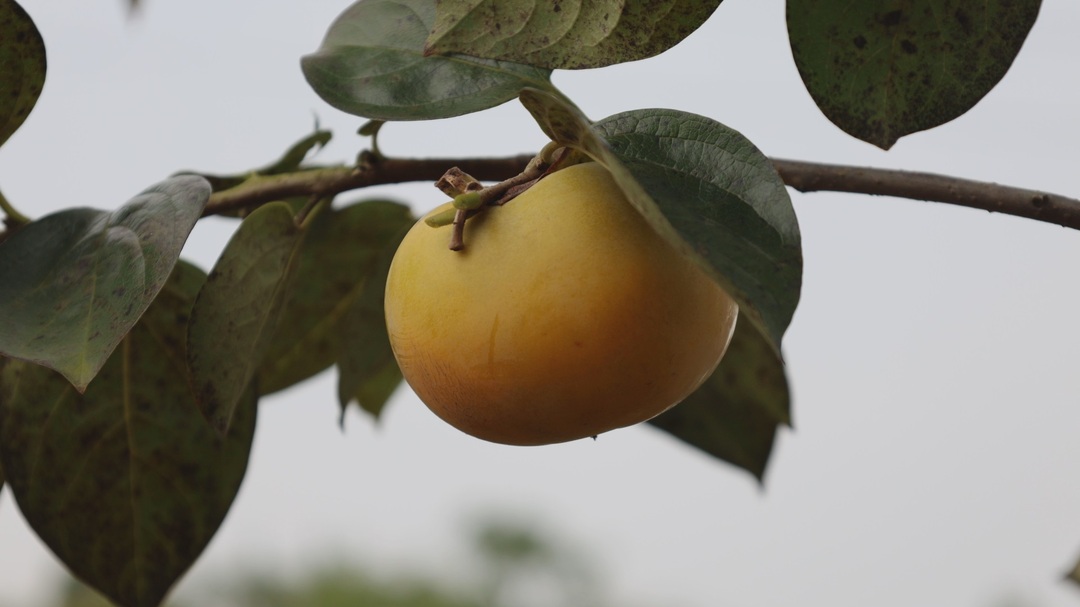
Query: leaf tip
[(221, 425)]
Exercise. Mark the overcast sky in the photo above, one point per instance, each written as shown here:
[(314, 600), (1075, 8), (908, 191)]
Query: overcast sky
[(933, 357)]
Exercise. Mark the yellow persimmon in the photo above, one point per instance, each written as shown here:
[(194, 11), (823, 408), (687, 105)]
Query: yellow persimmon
[(564, 316)]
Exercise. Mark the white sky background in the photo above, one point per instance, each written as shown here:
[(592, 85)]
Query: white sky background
[(933, 357)]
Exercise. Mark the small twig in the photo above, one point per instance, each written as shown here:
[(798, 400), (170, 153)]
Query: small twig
[(457, 235)]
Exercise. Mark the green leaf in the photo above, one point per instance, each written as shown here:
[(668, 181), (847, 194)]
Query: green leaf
[(125, 483), (239, 308), (726, 202), (882, 70), (372, 64), (339, 265), (734, 415), (370, 385), (705, 189), (290, 161), (73, 283), (295, 155), (367, 369), (571, 34), (22, 67)]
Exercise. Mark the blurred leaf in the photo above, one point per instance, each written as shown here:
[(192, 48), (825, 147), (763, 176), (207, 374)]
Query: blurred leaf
[(734, 415), (73, 283), (571, 34), (22, 67), (705, 189), (340, 263), (507, 543), (1074, 575), (882, 70), (125, 483), (348, 587), (372, 64), (239, 308)]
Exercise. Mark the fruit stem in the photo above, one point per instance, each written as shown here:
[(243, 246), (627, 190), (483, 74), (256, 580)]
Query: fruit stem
[(456, 182), (457, 236)]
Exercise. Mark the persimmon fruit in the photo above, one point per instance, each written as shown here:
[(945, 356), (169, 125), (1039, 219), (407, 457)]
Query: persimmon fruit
[(565, 315)]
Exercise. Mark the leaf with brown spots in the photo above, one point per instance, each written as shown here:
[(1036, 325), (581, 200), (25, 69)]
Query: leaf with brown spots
[(126, 483), (239, 308), (73, 283), (566, 34), (734, 416), (22, 67), (339, 264), (372, 64), (882, 70)]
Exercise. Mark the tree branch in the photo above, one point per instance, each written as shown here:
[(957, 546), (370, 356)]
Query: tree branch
[(1033, 204), (803, 176), (327, 182)]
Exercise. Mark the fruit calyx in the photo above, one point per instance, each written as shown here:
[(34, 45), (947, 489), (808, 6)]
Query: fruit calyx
[(471, 197)]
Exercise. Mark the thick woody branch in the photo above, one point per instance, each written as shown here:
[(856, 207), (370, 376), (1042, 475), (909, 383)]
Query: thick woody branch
[(1033, 204), (803, 176)]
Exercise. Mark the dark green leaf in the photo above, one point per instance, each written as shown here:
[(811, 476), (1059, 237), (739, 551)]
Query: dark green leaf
[(374, 384), (571, 34), (372, 64), (239, 308), (735, 414), (22, 67), (882, 70), (73, 283), (724, 199), (125, 483), (367, 369), (705, 189), (339, 264)]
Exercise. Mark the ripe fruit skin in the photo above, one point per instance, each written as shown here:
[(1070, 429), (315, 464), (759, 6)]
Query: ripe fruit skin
[(565, 316)]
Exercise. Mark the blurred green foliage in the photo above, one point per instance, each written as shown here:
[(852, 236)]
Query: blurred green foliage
[(513, 565)]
